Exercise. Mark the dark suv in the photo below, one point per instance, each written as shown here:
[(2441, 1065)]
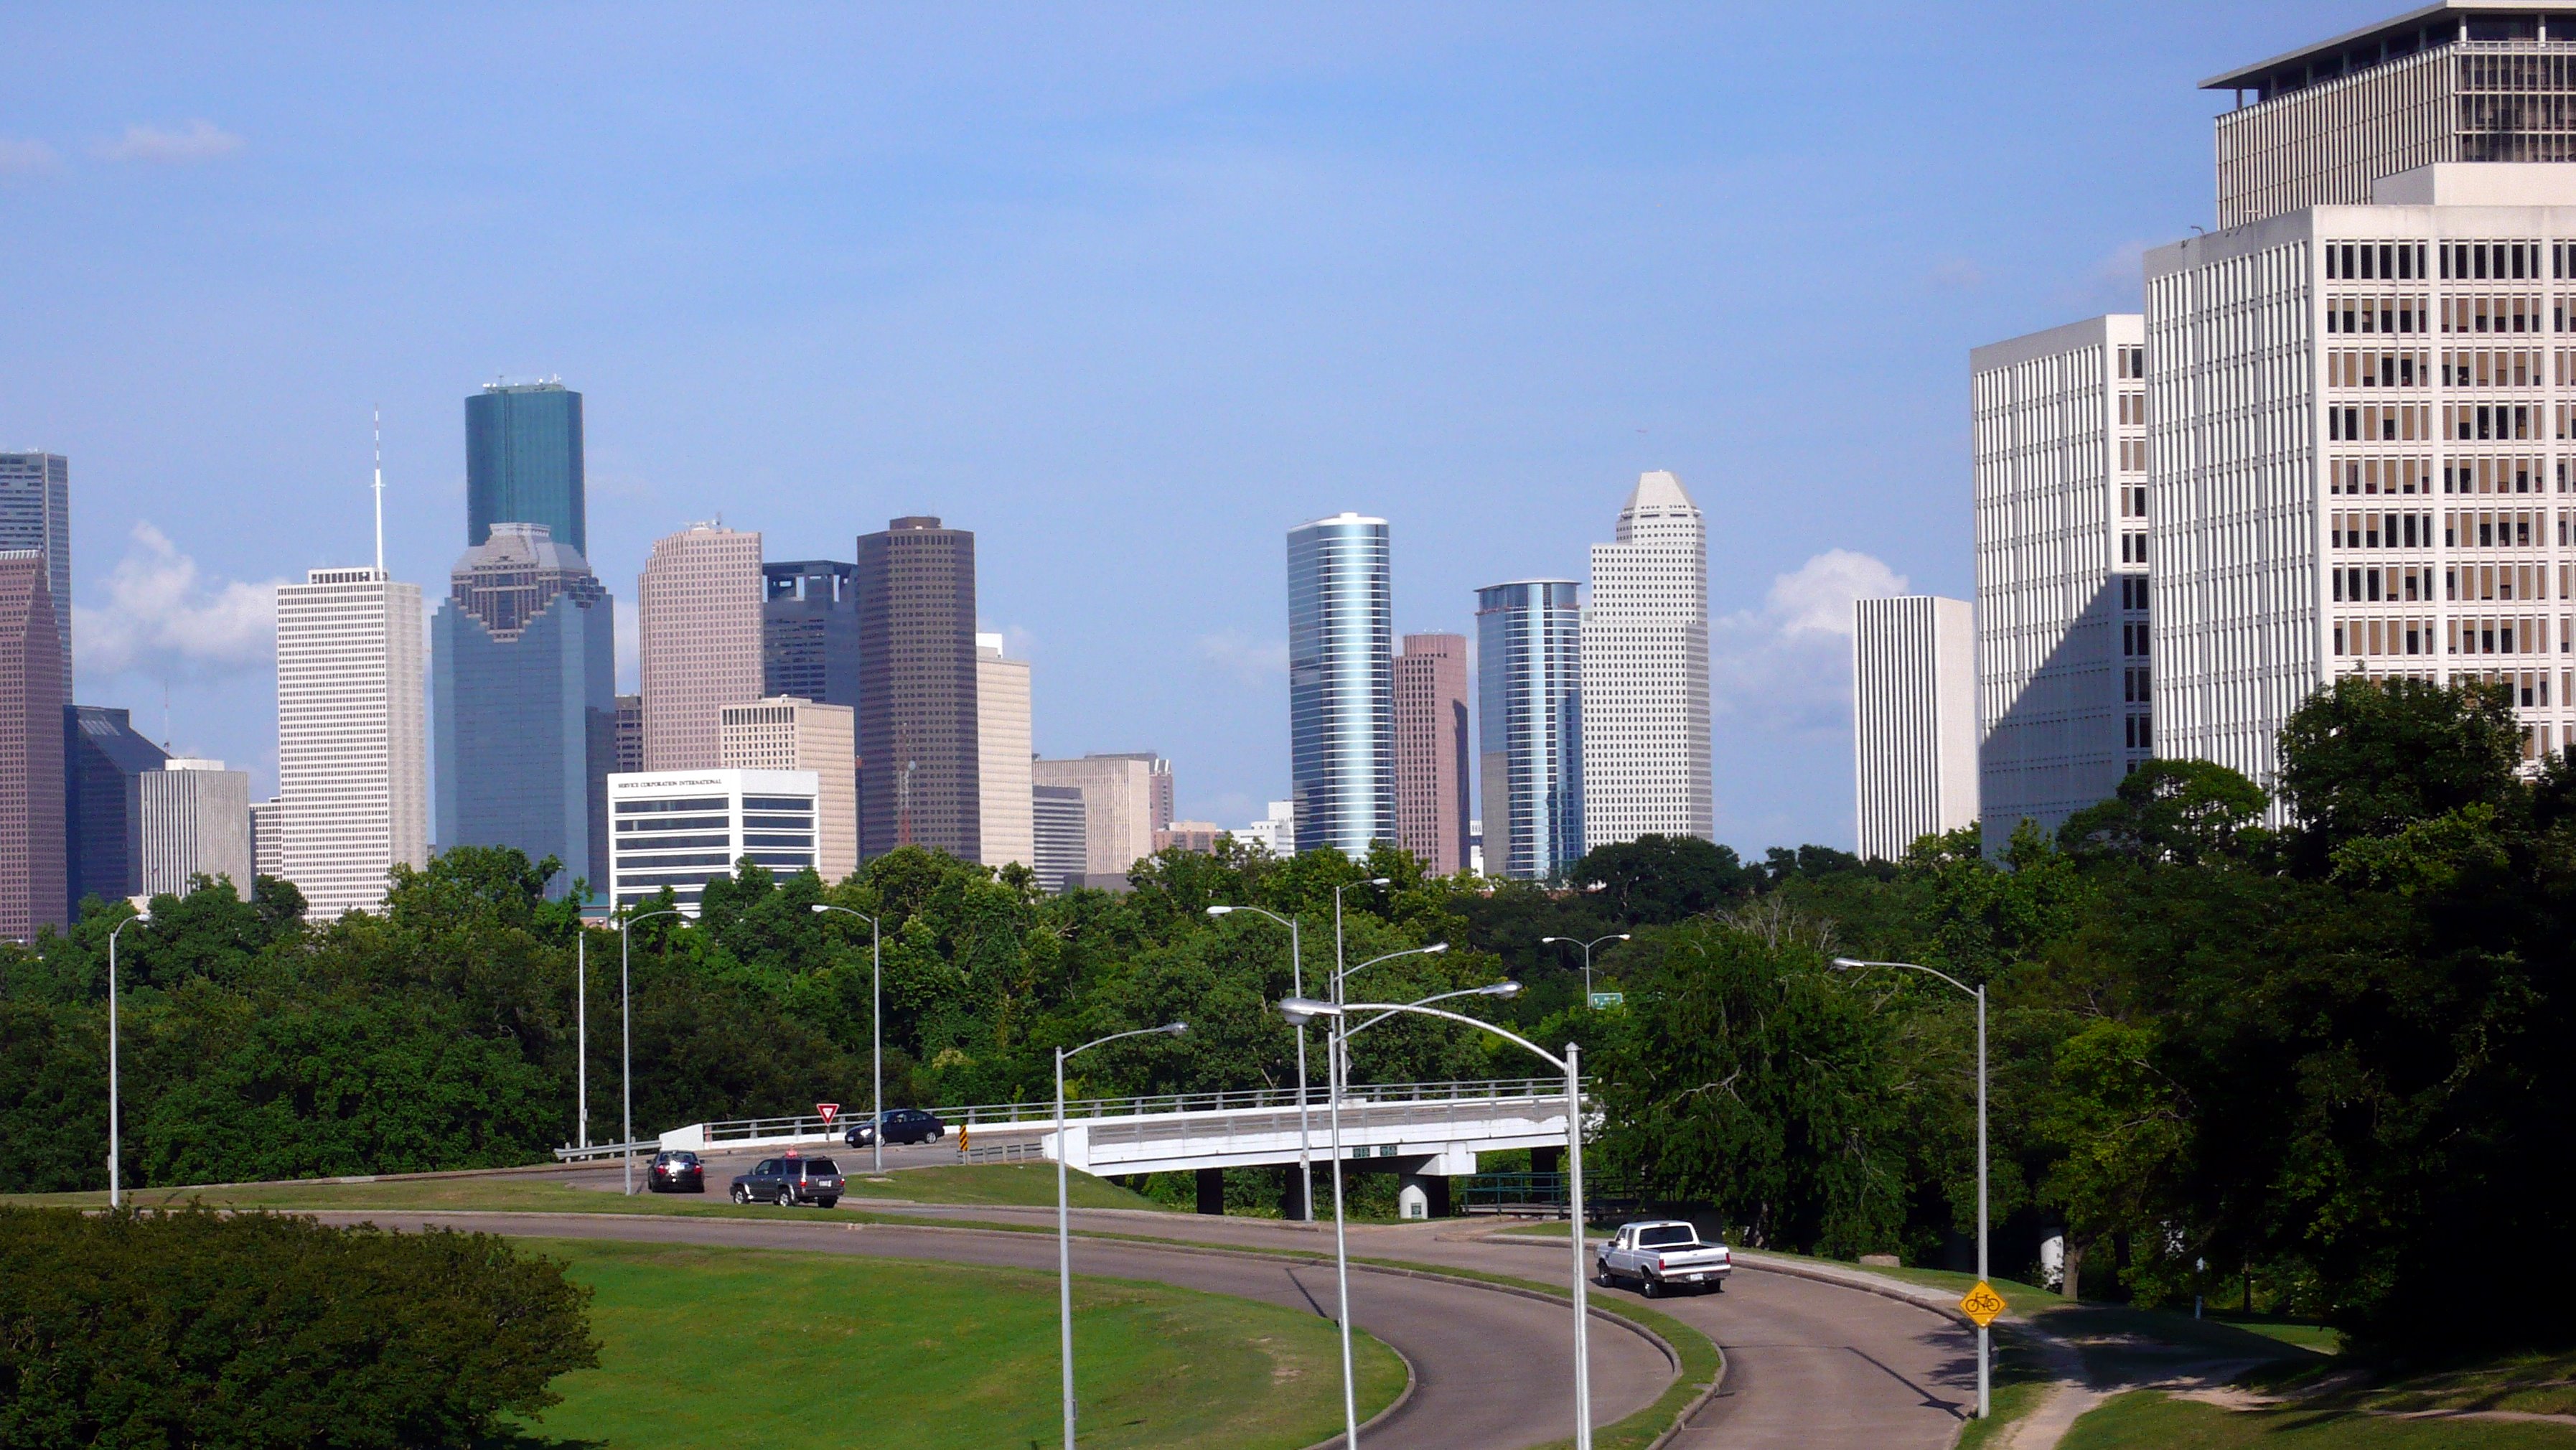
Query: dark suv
[(913, 1125), (786, 1181), (678, 1172)]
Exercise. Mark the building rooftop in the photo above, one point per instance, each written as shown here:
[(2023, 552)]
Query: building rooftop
[(2449, 22)]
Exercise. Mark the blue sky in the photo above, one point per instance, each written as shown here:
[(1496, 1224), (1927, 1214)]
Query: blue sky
[(1129, 291)]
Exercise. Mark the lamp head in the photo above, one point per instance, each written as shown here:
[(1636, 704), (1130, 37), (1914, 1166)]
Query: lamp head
[(1381, 881), (820, 908), (1623, 936), (1301, 1010), (1846, 964), (1176, 1029), (1219, 910), (1501, 989), (1435, 949), (1543, 941)]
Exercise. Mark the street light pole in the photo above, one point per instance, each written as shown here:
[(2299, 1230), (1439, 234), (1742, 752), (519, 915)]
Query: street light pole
[(626, 1037), (115, 1185), (1297, 984), (1985, 1354), (581, 1034), (876, 1030), (1296, 1008), (1587, 955), (1063, 1216)]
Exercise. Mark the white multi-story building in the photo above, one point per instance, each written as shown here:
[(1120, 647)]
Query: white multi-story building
[(681, 829), (784, 733), (1118, 807), (2059, 437), (1002, 738), (1645, 735), (1275, 832), (351, 750), (1059, 831), (196, 822), (1914, 720), (268, 838)]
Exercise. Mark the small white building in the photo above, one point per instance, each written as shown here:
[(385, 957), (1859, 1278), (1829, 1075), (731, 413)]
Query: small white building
[(1914, 720), (195, 822), (1277, 832), (683, 828), (785, 733)]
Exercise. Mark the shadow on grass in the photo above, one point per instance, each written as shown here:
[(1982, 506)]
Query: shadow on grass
[(518, 1437)]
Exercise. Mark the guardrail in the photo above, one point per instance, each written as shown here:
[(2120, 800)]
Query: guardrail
[(644, 1147), (1535, 1194)]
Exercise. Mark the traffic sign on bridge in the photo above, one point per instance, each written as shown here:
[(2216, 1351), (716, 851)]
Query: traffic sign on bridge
[(827, 1112)]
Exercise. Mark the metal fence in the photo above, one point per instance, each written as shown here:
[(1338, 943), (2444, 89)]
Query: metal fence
[(1541, 1195)]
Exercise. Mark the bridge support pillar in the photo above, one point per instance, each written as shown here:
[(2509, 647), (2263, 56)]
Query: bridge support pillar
[(1292, 1198), (1212, 1190), (1547, 1160), (1428, 1191)]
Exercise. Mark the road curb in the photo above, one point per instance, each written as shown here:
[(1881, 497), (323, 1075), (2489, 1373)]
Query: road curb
[(1861, 1280)]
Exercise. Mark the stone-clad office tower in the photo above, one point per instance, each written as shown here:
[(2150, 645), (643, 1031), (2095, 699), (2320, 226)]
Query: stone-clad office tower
[(32, 694), (524, 654), (698, 627), (352, 766), (1433, 751), (1646, 761), (523, 462), (920, 744)]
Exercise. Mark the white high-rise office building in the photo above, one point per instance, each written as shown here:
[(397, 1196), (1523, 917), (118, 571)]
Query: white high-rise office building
[(1645, 735), (196, 822), (351, 753), (268, 838), (2357, 407), (1914, 720), (2059, 438), (1002, 737), (677, 830), (784, 733)]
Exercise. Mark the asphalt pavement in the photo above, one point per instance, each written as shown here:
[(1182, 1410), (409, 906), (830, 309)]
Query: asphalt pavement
[(1487, 1365)]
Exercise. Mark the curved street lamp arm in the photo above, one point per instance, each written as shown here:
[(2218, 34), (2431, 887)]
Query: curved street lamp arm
[(1263, 911), (1438, 946), (1911, 967), (1351, 1032), (1168, 1029), (1390, 1008)]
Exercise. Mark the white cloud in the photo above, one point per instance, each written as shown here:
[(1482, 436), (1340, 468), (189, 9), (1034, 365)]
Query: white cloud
[(1789, 662), (1251, 661), (203, 140), (25, 157), (163, 618)]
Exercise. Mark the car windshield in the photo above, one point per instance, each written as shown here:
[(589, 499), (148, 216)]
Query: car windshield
[(686, 1160), (820, 1167), (1667, 1235)]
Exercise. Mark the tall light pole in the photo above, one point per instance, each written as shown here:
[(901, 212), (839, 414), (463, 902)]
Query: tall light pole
[(626, 1035), (1063, 1217), (1296, 984), (581, 1036), (1295, 1009), (1985, 1356), (115, 1188), (1587, 955), (876, 1029)]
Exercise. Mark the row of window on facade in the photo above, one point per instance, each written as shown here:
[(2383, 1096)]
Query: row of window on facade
[(2380, 316), (2364, 637), (2470, 583), (2461, 529), (2461, 476), (2459, 261), (2525, 367)]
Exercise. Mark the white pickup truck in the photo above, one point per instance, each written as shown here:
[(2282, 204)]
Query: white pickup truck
[(1664, 1253)]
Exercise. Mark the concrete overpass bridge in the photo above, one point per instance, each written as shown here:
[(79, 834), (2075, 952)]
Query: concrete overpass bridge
[(1427, 1132)]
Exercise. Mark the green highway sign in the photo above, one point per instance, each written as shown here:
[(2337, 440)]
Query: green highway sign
[(1602, 1001)]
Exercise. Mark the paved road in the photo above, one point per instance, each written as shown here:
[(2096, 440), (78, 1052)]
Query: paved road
[(1472, 1349)]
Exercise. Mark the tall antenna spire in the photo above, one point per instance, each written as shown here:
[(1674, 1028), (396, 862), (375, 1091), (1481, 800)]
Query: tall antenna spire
[(380, 491)]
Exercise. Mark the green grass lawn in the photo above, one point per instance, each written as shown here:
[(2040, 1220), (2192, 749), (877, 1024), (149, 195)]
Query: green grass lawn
[(2147, 1418), (982, 1184), (749, 1348)]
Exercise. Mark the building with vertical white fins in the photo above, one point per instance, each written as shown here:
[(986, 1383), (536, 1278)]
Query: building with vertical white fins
[(1646, 765), (2059, 433), (1914, 720), (1003, 743), (351, 747), (784, 733), (196, 822), (1341, 683), (268, 839), (698, 640)]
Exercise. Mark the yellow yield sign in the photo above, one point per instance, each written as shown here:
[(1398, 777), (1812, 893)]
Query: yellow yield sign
[(1983, 1304)]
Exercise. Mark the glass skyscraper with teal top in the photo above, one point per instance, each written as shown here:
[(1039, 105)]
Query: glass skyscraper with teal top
[(523, 462)]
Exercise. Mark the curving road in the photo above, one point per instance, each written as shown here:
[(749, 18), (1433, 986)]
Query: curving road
[(1474, 1351)]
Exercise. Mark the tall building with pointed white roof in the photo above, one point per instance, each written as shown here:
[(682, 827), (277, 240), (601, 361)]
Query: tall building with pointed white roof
[(1645, 735), (351, 744)]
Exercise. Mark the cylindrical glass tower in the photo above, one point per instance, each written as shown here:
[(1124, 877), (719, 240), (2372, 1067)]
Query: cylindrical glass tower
[(1341, 683), (1529, 663)]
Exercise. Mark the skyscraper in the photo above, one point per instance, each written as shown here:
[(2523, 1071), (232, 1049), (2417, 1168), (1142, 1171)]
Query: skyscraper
[(810, 632), (785, 733), (1158, 772), (196, 822), (1432, 750), (1529, 676), (630, 734), (920, 747), (1003, 733), (698, 627), (1117, 808), (1061, 836), (268, 838), (1646, 765), (351, 756), (36, 513), (1914, 720), (1341, 683), (103, 759), (31, 749), (2060, 442), (523, 462), (525, 657)]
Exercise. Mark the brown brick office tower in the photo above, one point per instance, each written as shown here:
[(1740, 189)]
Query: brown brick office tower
[(32, 693), (919, 752)]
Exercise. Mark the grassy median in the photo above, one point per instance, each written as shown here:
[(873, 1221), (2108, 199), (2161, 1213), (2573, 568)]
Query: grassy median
[(756, 1347), (2151, 1420)]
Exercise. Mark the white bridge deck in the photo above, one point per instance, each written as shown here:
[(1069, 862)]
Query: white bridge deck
[(1436, 1128)]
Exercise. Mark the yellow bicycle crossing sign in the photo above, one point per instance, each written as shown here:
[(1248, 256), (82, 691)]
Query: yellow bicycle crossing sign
[(1983, 1304)]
